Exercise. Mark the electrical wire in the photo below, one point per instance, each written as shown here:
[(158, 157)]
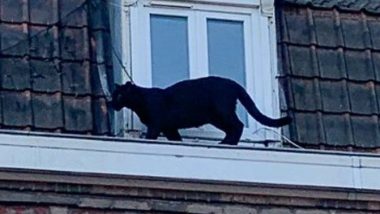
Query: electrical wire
[(286, 139)]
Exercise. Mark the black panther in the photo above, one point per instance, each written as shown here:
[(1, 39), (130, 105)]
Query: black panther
[(191, 103)]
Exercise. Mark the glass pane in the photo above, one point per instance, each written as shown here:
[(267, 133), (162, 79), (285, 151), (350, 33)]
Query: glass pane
[(226, 57), (169, 48)]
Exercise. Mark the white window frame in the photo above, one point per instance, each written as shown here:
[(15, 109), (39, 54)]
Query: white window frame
[(260, 34)]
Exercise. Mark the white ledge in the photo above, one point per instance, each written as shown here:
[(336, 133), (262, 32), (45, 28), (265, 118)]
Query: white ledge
[(189, 161)]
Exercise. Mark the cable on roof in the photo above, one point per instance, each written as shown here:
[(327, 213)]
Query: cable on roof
[(286, 139)]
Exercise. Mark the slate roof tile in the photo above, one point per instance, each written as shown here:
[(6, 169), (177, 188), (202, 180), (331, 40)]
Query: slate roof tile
[(334, 96), (17, 109), (44, 45), (353, 33), (106, 57), (298, 27), (308, 128), (45, 76), (377, 88), (95, 81), (302, 88), (301, 61), (76, 78), (326, 31), (97, 19), (15, 74), (351, 5), (73, 44), (78, 114), (376, 64), (10, 37), (47, 111), (43, 11), (374, 29), (366, 131), (78, 19), (331, 63), (11, 11), (338, 130), (101, 121), (363, 98), (371, 6), (359, 65)]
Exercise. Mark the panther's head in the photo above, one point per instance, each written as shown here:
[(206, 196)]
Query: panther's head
[(123, 96)]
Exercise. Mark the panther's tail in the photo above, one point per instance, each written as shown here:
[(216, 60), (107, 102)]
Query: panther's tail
[(252, 109)]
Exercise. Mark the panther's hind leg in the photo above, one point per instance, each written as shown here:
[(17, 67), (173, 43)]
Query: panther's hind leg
[(152, 133), (172, 134), (233, 128)]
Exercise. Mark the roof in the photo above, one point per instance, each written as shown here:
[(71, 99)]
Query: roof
[(330, 68), (370, 6), (48, 67)]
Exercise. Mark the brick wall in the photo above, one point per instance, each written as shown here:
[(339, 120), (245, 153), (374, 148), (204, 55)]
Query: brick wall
[(47, 192)]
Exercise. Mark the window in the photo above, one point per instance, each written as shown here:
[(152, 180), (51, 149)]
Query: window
[(168, 41)]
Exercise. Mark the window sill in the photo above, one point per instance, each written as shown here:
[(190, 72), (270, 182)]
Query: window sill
[(118, 156)]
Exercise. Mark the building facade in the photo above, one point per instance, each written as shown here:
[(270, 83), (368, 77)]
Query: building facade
[(64, 150)]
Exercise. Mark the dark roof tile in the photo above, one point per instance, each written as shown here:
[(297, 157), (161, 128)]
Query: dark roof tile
[(76, 78), (78, 114), (17, 109), (377, 88), (15, 73), (374, 29), (334, 96), (97, 19), (13, 39), (338, 130), (298, 27), (352, 5), (43, 45), (363, 98), (308, 128), (331, 63), (376, 64), (45, 75), (11, 11), (78, 18), (301, 61), (96, 86), (359, 65), (47, 110), (326, 30), (372, 6), (43, 11), (302, 89), (101, 121), (353, 33), (366, 131), (73, 45)]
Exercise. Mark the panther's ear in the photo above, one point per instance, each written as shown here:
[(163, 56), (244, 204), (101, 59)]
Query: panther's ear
[(129, 84)]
